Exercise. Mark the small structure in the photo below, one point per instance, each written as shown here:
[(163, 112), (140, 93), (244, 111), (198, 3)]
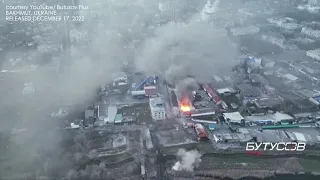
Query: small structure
[(211, 126), (215, 98), (157, 108), (290, 77), (234, 117), (226, 91), (119, 141), (138, 88), (112, 112), (118, 119), (147, 137), (315, 54), (150, 91)]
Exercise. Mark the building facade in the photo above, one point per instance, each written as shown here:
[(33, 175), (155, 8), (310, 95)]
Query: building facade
[(157, 108)]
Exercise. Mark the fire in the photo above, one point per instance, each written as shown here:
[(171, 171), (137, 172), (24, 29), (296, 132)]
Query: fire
[(185, 108)]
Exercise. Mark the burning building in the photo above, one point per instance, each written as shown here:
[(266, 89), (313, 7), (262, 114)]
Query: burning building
[(185, 105)]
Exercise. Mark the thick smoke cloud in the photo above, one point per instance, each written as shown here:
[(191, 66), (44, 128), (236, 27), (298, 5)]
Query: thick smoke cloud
[(188, 160), (195, 47), (189, 84)]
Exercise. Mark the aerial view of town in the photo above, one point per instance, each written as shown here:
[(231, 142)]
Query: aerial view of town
[(161, 89)]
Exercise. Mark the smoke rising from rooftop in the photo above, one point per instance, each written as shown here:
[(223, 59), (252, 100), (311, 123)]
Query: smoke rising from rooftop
[(193, 47)]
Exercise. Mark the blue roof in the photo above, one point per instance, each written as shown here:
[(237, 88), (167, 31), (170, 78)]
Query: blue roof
[(211, 126), (317, 98)]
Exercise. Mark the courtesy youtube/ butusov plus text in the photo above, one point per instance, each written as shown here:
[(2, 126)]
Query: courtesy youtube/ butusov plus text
[(54, 13)]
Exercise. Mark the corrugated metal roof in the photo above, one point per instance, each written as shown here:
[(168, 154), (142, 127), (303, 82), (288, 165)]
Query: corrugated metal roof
[(210, 92)]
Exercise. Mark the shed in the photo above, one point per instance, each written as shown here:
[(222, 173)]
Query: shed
[(234, 117), (118, 118), (112, 112), (225, 91), (299, 137), (278, 117), (211, 126), (290, 77), (150, 90)]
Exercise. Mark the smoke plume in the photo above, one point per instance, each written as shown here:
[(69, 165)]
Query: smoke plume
[(185, 84), (191, 47), (188, 160)]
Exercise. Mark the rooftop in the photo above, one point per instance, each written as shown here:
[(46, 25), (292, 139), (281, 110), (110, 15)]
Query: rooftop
[(156, 103), (225, 90), (267, 102), (273, 117), (173, 137), (257, 78), (248, 89), (234, 116), (315, 54)]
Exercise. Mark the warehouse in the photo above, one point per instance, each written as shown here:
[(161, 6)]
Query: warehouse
[(234, 117), (274, 118), (247, 90), (268, 103)]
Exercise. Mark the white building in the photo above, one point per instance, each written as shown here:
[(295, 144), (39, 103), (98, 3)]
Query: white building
[(157, 108), (315, 54), (234, 117)]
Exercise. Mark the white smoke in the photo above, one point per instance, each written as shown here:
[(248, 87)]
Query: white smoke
[(188, 160)]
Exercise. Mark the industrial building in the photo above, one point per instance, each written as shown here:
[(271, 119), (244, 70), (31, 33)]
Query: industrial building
[(268, 103), (157, 108), (248, 91), (144, 86), (199, 103), (108, 115), (233, 118), (274, 118)]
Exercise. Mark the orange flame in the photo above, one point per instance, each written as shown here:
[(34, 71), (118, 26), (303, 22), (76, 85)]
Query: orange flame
[(185, 108)]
